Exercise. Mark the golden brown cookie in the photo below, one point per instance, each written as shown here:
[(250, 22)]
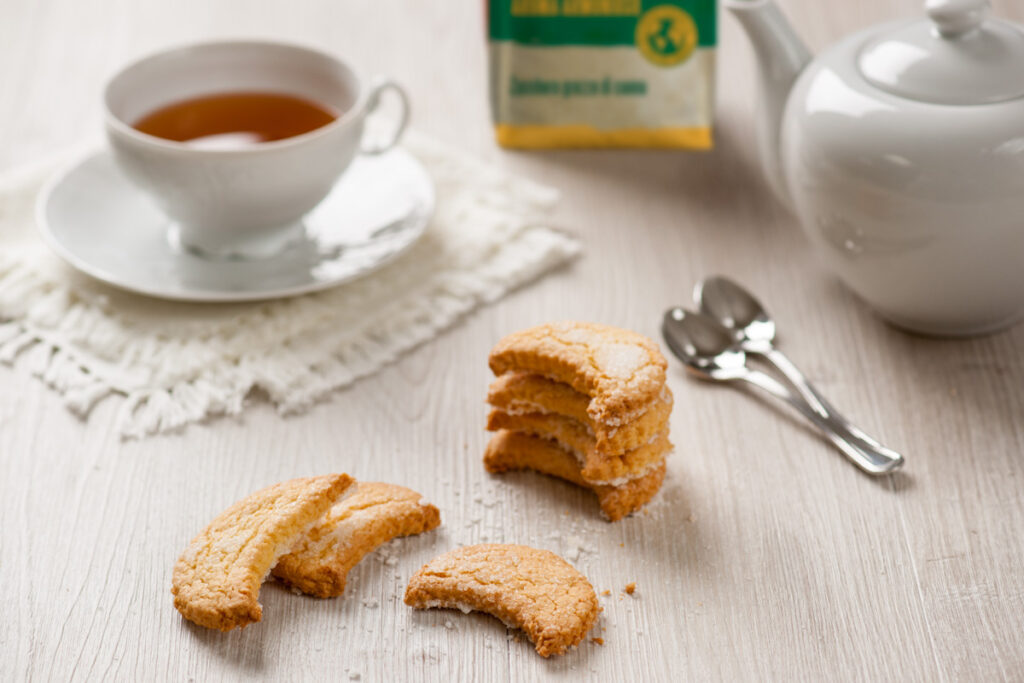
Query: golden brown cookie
[(376, 513), (217, 579), (527, 392), (597, 468), (621, 371), (509, 451), (534, 590), (520, 393)]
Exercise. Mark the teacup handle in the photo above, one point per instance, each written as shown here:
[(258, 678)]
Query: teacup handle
[(379, 87)]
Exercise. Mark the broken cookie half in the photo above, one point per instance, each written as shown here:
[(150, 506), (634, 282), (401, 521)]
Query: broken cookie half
[(311, 532), (530, 589), (319, 562), (217, 579)]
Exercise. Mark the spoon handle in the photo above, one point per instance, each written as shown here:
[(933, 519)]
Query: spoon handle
[(871, 459), (884, 457), (799, 381)]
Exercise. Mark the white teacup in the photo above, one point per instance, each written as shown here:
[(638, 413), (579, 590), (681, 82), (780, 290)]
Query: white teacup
[(245, 202)]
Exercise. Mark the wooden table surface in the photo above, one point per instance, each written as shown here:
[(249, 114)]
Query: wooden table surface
[(766, 555)]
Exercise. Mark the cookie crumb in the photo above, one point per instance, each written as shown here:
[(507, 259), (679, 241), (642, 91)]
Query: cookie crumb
[(630, 588), (574, 547), (599, 641), (606, 592)]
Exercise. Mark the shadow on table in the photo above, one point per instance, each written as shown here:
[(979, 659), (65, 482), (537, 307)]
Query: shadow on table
[(959, 402), (974, 384), (242, 648), (710, 178), (897, 482), (669, 525), (252, 650), (549, 493)]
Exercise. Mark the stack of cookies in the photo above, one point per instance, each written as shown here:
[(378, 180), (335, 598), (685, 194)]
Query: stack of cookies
[(584, 402)]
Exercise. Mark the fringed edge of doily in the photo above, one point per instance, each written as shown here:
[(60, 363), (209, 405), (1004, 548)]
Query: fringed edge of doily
[(290, 381)]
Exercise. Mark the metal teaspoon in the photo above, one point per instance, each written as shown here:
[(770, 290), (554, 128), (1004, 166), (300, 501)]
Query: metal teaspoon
[(739, 310), (708, 350)]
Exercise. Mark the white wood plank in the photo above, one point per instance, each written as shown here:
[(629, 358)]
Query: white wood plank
[(766, 557)]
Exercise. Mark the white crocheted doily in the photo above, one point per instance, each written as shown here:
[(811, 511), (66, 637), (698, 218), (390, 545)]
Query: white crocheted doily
[(173, 364)]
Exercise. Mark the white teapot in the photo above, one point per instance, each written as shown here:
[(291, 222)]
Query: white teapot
[(901, 151)]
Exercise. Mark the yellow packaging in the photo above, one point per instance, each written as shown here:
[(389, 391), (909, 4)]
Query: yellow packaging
[(602, 73)]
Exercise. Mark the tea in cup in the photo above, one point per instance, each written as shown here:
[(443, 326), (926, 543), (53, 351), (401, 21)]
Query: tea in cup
[(237, 140)]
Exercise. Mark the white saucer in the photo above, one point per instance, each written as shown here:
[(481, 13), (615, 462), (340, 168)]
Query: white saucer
[(101, 224)]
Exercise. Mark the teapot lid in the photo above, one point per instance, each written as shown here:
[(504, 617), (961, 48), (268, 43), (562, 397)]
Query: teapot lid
[(957, 56)]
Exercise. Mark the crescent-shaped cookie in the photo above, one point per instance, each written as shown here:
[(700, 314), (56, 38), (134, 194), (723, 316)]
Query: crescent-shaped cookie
[(520, 393), (508, 451), (621, 371), (534, 590), (217, 579), (596, 468), (320, 561)]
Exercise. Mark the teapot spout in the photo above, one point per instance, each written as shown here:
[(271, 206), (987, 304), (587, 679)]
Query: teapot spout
[(781, 56)]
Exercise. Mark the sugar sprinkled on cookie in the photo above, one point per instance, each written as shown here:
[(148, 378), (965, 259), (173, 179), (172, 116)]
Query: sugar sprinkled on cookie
[(508, 451), (524, 394), (534, 590), (621, 361), (621, 371), (217, 579), (597, 468), (319, 563)]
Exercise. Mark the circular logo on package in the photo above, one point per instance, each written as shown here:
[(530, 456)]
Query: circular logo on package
[(666, 35)]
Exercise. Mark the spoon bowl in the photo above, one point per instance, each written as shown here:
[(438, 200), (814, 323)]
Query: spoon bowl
[(733, 306), (706, 347)]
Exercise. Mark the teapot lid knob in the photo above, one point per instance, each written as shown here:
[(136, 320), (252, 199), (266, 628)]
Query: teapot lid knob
[(954, 18), (958, 55)]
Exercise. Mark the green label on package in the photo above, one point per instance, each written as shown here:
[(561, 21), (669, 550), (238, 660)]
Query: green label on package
[(602, 73)]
